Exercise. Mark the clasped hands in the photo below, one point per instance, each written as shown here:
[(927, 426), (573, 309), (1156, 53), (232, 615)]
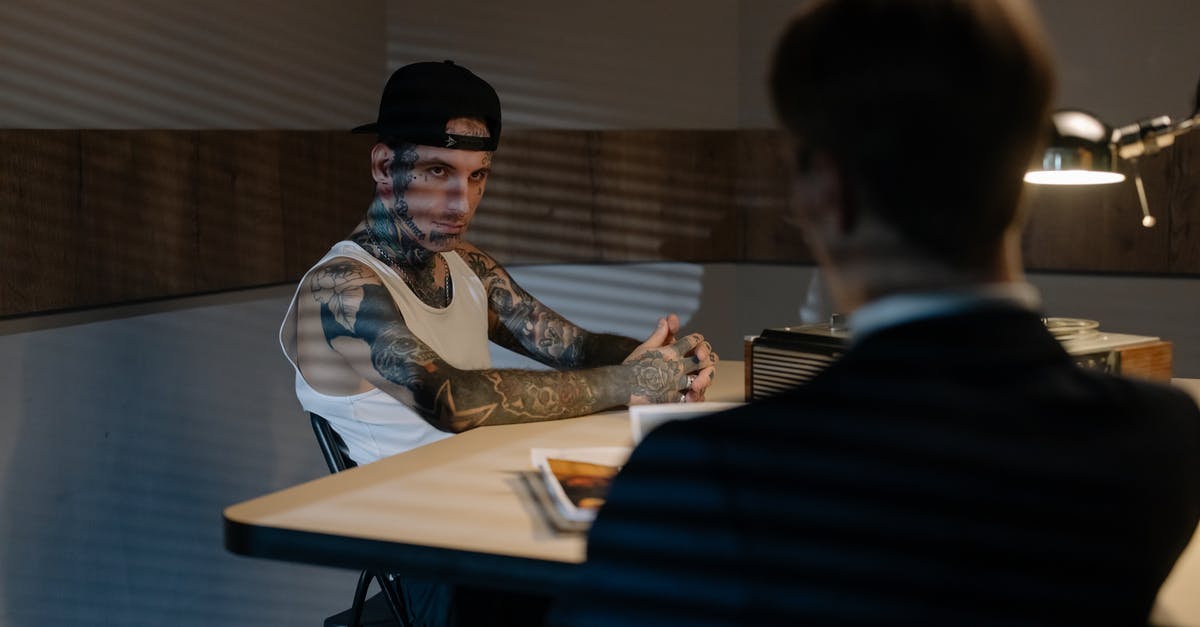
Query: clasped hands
[(666, 369)]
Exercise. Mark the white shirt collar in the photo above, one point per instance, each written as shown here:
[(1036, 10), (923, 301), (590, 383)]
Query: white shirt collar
[(902, 308)]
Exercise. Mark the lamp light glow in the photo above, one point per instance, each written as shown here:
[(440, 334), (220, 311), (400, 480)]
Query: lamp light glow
[(1072, 177)]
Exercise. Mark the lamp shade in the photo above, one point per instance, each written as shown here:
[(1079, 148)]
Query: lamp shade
[(1080, 152)]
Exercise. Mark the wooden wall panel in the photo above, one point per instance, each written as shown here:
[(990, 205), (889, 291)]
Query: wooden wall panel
[(93, 218), (39, 211), (762, 199), (611, 196), (239, 225), (1183, 205), (136, 235), (661, 195), (539, 202), (324, 189)]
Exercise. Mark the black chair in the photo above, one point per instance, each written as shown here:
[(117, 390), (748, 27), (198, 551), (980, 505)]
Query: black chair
[(386, 607)]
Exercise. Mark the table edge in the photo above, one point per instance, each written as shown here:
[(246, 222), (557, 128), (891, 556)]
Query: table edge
[(427, 562)]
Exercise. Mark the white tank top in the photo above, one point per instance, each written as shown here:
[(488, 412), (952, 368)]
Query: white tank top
[(373, 424)]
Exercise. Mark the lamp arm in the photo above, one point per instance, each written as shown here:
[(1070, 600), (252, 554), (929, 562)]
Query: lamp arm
[(1146, 138), (1151, 135), (1148, 220)]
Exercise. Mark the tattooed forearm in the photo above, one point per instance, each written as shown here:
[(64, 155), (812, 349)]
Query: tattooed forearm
[(556, 341), (469, 399), (543, 333), (556, 396), (466, 399), (523, 324), (456, 400), (603, 349)]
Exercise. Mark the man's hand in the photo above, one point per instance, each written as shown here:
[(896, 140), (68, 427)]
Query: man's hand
[(670, 370), (663, 335), (705, 376)]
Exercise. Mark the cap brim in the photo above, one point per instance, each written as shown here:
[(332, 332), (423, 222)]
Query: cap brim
[(373, 127)]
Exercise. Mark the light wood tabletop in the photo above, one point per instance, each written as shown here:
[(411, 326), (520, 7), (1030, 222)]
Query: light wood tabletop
[(458, 510)]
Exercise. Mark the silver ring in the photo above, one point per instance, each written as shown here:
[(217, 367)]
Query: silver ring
[(683, 397), (691, 379)]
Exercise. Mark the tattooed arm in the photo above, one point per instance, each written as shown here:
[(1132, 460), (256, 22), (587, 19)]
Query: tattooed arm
[(522, 324), (361, 323)]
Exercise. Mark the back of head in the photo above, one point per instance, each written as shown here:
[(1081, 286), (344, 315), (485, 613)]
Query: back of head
[(932, 110)]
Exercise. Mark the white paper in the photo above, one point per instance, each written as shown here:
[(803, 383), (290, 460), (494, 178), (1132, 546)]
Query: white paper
[(644, 418)]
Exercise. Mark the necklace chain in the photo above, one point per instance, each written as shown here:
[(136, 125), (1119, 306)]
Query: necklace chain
[(403, 270)]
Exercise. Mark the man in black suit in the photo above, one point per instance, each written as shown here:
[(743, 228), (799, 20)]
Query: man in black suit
[(954, 467)]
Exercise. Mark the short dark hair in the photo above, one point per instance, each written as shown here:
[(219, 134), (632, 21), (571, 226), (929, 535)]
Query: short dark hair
[(931, 108)]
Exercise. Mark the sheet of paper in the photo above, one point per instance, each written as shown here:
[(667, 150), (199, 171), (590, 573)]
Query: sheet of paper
[(644, 418)]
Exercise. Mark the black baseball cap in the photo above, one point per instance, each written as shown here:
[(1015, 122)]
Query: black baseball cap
[(420, 98)]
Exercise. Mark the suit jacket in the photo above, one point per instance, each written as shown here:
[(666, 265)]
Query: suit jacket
[(955, 470)]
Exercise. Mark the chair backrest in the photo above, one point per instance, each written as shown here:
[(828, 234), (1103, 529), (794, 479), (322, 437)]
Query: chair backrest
[(337, 455)]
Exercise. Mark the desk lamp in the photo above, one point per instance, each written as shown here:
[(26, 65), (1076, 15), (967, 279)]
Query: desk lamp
[(1083, 150)]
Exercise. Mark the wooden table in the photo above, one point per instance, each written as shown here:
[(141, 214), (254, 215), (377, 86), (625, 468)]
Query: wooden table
[(458, 510)]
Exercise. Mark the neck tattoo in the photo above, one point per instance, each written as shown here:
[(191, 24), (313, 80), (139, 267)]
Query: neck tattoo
[(427, 289)]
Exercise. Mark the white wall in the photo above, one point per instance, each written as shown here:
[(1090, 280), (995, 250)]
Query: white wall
[(590, 64), (310, 64), (225, 64), (122, 440), (1122, 60), (1125, 61)]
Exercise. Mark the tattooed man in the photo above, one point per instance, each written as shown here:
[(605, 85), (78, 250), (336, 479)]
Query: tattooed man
[(389, 331)]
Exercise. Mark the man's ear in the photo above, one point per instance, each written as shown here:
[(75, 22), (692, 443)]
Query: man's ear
[(821, 190), (381, 165)]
